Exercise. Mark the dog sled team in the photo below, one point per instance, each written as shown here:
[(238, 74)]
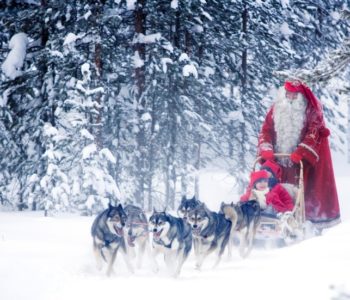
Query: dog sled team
[(294, 191), (127, 230)]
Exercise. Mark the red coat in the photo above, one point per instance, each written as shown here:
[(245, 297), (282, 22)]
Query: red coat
[(277, 197), (321, 199), (280, 199)]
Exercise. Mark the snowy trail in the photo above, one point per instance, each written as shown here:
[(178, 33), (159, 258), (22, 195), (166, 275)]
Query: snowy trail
[(51, 258)]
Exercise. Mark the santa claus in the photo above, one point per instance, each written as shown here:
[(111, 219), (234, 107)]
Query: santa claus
[(295, 125)]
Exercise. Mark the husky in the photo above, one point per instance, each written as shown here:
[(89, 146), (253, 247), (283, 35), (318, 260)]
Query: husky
[(211, 231), (171, 236), (108, 236), (137, 232), (245, 218), (187, 205)]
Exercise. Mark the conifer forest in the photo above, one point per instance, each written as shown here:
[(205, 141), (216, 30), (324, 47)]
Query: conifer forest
[(104, 101)]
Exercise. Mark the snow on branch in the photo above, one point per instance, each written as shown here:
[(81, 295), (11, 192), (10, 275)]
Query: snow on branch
[(188, 70), (327, 69), (14, 62), (107, 154), (147, 39)]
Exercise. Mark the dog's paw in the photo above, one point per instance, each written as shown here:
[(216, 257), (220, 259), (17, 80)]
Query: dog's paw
[(110, 272)]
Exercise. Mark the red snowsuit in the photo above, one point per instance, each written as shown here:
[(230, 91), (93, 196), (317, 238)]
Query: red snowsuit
[(321, 199), (277, 197)]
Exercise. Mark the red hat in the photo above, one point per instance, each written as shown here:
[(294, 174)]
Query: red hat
[(296, 86), (274, 167), (299, 87), (257, 175)]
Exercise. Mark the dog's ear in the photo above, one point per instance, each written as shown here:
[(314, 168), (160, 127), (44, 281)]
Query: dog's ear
[(142, 217), (154, 210), (120, 206), (183, 199)]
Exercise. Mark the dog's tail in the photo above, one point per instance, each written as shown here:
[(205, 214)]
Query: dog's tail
[(230, 214)]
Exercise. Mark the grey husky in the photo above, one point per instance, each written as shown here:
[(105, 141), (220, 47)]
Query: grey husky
[(211, 231), (171, 236), (245, 218), (108, 237), (186, 206), (137, 232)]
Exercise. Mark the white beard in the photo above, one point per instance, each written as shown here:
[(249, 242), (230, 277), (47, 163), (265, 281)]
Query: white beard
[(289, 119)]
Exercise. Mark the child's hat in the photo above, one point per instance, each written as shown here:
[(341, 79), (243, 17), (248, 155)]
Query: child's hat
[(257, 176)]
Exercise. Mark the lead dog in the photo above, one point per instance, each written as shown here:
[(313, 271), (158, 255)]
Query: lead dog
[(211, 231), (186, 206), (108, 237), (171, 236)]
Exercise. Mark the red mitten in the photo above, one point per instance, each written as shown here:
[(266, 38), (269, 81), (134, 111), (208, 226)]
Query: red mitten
[(267, 154), (295, 157)]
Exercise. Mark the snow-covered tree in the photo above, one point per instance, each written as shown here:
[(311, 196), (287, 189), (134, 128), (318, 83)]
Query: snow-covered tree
[(77, 176), (185, 85)]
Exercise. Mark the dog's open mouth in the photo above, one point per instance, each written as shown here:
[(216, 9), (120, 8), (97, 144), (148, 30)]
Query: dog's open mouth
[(156, 235), (131, 240), (197, 230), (118, 230)]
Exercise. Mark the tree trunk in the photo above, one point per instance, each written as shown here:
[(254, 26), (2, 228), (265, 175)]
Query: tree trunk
[(348, 131), (198, 142), (170, 184), (98, 61), (245, 51), (171, 150), (98, 65), (184, 175), (241, 137), (140, 20), (151, 158), (198, 166)]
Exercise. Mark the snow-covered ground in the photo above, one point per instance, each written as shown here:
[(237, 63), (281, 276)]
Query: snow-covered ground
[(51, 258)]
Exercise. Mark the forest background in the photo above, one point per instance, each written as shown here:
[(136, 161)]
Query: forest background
[(106, 101)]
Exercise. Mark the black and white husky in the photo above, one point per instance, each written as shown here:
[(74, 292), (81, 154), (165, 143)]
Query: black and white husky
[(245, 219), (211, 232), (108, 237), (171, 236), (186, 206), (137, 234)]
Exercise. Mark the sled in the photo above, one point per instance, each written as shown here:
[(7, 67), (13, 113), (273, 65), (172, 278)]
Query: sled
[(283, 228)]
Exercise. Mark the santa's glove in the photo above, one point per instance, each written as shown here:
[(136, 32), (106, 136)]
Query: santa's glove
[(295, 157), (267, 154)]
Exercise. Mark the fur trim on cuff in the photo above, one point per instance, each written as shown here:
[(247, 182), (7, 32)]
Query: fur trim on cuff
[(265, 146), (307, 147), (308, 153)]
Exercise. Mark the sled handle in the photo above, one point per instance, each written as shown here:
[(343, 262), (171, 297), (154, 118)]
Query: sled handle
[(259, 158)]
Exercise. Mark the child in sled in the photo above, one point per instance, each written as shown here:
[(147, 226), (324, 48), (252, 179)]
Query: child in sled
[(264, 187)]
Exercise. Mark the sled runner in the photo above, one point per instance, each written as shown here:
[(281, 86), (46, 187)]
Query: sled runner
[(288, 227)]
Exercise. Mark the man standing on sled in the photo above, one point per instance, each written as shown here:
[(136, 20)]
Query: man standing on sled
[(295, 125)]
